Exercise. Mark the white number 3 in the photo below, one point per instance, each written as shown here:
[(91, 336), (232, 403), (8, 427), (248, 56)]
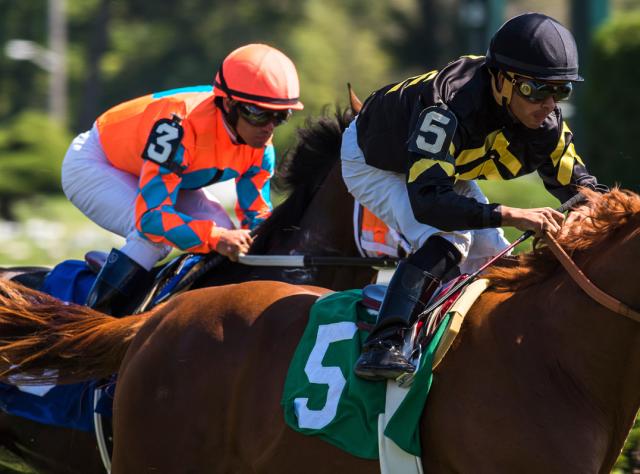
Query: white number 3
[(161, 150)]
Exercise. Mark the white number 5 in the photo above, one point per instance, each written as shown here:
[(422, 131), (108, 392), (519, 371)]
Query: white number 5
[(430, 124), (331, 376)]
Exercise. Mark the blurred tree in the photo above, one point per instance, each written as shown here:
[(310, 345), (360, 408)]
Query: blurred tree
[(22, 84), (31, 151), (611, 102), (430, 36), (97, 45), (332, 45)]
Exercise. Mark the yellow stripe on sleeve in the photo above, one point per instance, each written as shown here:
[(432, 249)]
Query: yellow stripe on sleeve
[(572, 151), (486, 170), (506, 157), (412, 81), (471, 154), (424, 164), (557, 153), (566, 169), (425, 77)]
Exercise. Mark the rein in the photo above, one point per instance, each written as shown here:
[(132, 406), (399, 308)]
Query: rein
[(587, 285)]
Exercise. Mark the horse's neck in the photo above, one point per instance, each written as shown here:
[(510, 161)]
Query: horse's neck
[(327, 224), (615, 346), (326, 229), (596, 351)]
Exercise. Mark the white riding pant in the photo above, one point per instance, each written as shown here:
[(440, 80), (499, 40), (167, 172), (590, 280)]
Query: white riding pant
[(385, 194), (107, 195)]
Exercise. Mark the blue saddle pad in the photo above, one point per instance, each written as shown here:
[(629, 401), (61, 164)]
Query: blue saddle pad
[(69, 281), (70, 406)]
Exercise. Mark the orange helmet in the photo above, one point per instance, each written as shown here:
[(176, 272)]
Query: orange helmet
[(261, 75)]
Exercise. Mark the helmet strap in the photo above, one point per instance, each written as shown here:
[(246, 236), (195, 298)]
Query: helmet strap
[(231, 119), (506, 91)]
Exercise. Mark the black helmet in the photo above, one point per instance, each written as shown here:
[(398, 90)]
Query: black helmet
[(535, 45)]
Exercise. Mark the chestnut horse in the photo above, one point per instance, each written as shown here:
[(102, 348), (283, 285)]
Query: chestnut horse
[(540, 379), (315, 219)]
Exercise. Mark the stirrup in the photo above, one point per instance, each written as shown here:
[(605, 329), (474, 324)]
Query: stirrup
[(380, 360)]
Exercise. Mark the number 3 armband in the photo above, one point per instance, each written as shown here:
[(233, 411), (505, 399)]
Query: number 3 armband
[(163, 144), (433, 133)]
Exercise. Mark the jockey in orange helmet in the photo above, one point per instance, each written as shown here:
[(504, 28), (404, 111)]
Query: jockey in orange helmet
[(139, 172)]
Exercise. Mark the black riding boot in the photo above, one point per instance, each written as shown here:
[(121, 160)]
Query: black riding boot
[(407, 294), (116, 283), (409, 290)]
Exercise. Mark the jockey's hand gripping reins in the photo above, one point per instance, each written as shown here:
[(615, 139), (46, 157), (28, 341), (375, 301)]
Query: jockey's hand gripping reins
[(566, 206)]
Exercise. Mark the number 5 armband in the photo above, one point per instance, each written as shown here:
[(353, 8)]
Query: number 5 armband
[(163, 144), (432, 138)]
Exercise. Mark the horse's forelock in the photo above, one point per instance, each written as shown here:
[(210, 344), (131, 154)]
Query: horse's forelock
[(606, 213), (316, 150)]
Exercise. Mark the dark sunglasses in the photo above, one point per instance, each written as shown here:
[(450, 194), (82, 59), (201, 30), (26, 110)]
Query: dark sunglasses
[(259, 117), (537, 92)]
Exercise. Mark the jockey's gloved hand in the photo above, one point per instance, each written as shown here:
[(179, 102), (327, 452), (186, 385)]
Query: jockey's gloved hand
[(539, 220), (233, 242)]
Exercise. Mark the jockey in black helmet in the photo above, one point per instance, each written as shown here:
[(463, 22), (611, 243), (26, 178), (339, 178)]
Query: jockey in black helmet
[(533, 45), (415, 150)]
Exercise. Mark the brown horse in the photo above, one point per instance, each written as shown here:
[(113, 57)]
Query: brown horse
[(315, 219), (541, 378)]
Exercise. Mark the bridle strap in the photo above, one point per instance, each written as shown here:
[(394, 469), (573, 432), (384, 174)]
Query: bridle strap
[(587, 285)]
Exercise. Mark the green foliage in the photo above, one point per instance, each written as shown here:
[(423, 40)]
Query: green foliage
[(31, 151), (524, 192), (331, 47), (611, 102), (20, 81), (628, 460)]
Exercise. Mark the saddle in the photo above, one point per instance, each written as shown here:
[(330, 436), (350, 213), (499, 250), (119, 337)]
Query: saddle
[(423, 330)]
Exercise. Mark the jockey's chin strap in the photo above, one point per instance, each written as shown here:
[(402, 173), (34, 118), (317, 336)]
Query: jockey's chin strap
[(587, 285)]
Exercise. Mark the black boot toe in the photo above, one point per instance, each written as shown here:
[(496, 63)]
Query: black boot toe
[(381, 361)]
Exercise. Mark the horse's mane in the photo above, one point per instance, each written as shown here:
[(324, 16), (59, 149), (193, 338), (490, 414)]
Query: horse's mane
[(607, 214), (302, 171)]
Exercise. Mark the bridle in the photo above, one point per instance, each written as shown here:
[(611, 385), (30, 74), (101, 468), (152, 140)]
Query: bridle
[(587, 285)]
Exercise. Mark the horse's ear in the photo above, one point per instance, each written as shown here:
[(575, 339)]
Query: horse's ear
[(356, 104)]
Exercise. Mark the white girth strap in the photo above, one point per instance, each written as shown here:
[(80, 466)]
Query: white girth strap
[(394, 460)]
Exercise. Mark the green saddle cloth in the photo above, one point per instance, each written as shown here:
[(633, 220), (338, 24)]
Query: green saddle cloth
[(323, 397)]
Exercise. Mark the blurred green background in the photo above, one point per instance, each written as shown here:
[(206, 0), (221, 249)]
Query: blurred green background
[(63, 62)]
